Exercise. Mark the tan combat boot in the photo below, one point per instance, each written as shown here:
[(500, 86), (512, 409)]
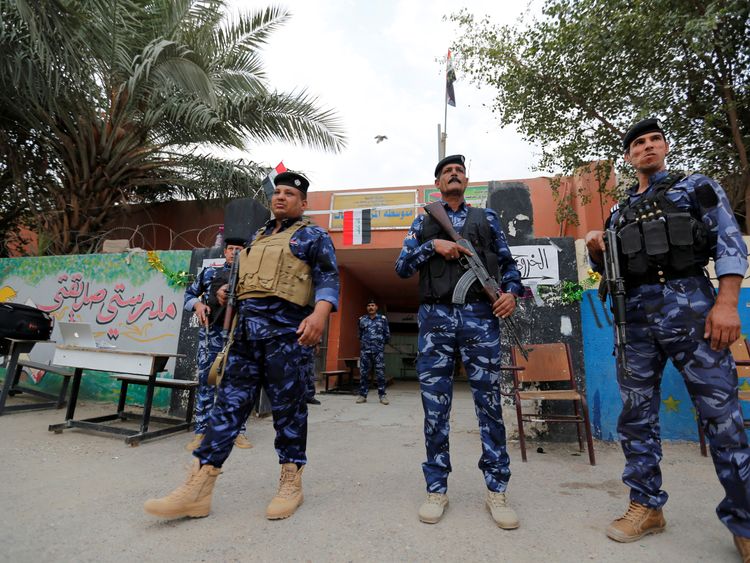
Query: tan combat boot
[(242, 442), (503, 515), (637, 522), (289, 496), (433, 508), (743, 546), (193, 498), (195, 442)]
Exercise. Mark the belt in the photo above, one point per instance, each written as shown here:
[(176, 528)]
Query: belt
[(662, 276), (449, 300)]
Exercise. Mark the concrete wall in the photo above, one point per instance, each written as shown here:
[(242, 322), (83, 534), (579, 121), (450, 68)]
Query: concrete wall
[(343, 336)]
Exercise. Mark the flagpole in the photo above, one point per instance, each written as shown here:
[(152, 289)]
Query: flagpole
[(444, 136), (450, 97), (441, 148)]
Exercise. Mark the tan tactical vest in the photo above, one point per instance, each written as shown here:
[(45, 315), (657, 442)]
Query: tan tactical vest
[(269, 269)]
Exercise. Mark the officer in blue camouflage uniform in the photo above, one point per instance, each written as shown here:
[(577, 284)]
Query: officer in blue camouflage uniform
[(287, 286), (471, 330), (374, 334), (668, 226), (201, 298)]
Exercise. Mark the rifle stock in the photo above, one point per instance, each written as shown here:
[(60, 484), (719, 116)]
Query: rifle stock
[(216, 371), (475, 266)]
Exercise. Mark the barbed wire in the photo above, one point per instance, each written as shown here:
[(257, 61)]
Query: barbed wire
[(137, 238)]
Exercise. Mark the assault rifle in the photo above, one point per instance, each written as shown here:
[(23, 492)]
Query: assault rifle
[(475, 270), (615, 287), (217, 367)]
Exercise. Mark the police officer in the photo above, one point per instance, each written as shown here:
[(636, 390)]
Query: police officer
[(471, 330), (373, 336), (201, 298), (288, 285), (668, 226)]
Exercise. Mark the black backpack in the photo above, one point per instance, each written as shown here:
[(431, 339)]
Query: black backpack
[(23, 323)]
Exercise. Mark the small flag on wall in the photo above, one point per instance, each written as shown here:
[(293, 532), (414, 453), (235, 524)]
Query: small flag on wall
[(357, 227), (268, 185), (450, 78)]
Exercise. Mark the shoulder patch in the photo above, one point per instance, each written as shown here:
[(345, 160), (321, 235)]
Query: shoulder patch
[(706, 195)]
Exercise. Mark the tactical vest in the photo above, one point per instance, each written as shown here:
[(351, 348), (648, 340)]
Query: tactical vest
[(658, 240), (438, 277), (216, 317), (269, 269)]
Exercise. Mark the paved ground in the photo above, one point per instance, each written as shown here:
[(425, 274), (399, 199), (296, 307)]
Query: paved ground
[(78, 496)]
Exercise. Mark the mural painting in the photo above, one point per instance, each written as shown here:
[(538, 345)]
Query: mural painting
[(677, 415), (132, 300)]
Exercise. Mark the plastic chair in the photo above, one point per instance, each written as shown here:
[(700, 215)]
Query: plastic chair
[(550, 363)]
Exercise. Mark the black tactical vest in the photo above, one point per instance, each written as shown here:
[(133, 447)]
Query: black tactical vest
[(658, 240), (216, 317), (438, 276)]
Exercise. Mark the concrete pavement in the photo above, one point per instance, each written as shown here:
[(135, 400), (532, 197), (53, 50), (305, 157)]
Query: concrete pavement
[(78, 496)]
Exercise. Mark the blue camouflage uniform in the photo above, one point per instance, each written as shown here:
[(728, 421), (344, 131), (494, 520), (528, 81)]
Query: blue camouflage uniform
[(266, 352), (374, 334), (309, 376), (667, 321), (210, 344), (471, 330)]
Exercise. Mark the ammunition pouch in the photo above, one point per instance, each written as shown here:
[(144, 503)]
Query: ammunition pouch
[(660, 241)]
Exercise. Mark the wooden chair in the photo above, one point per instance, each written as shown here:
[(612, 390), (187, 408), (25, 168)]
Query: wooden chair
[(740, 349), (550, 363)]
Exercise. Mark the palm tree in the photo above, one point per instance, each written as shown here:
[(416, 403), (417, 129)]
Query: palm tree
[(122, 98)]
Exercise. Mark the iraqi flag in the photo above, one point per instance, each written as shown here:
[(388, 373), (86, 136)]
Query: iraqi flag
[(357, 227), (268, 185), (450, 78)]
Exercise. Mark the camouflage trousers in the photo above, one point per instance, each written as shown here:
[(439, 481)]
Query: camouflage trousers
[(369, 359), (210, 343), (471, 331), (669, 322), (309, 371), (276, 365)]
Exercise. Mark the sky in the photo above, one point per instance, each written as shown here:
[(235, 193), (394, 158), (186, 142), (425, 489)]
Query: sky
[(379, 65)]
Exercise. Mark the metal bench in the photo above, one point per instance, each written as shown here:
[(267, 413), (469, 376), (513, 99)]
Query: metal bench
[(340, 374), (180, 384), (12, 388)]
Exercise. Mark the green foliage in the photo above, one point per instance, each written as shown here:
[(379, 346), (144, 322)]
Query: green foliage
[(566, 292), (104, 104), (577, 77)]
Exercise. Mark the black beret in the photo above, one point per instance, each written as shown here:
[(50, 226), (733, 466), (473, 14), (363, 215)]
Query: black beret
[(641, 128), (293, 180), (236, 241), (372, 300), (452, 159)]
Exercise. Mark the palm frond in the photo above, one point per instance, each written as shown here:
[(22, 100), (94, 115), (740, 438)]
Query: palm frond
[(290, 117), (208, 177)]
